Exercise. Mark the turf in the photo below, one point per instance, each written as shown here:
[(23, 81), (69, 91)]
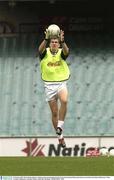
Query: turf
[(56, 166)]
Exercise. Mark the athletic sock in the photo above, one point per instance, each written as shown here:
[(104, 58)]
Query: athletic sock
[(60, 124), (60, 136)]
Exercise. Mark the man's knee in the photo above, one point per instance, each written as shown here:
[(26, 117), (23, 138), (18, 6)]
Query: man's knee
[(64, 102)]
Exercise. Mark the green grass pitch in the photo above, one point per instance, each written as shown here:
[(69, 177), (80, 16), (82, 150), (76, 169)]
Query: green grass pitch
[(57, 166)]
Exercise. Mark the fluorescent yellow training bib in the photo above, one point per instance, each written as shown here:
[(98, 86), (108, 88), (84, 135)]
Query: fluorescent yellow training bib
[(54, 68)]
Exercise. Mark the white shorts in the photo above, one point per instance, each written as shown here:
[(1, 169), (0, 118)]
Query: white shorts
[(52, 89)]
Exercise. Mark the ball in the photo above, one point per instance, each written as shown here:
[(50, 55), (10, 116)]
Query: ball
[(104, 152), (54, 30), (111, 153)]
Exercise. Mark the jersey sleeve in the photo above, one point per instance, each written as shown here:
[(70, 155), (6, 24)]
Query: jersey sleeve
[(64, 56), (42, 55)]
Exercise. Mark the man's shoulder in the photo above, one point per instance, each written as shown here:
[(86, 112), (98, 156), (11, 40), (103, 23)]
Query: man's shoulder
[(63, 55), (42, 55)]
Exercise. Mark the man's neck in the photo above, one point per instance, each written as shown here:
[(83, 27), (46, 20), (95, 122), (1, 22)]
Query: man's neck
[(54, 51)]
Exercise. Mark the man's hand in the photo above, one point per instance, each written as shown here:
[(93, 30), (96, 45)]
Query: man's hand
[(46, 34), (62, 36)]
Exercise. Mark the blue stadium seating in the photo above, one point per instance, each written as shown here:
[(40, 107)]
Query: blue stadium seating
[(23, 110)]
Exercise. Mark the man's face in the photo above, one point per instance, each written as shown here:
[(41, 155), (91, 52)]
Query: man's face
[(54, 44)]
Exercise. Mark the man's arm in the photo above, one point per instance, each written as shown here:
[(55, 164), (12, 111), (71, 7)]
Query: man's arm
[(65, 48), (42, 46)]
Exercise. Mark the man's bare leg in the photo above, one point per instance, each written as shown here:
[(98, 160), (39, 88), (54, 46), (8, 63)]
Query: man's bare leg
[(54, 110), (63, 96)]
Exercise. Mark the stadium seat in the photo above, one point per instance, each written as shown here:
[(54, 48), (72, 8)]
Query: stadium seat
[(23, 110)]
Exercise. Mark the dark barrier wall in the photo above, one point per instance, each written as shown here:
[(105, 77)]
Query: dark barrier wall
[(72, 16)]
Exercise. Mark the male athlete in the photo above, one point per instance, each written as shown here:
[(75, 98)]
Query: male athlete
[(55, 73)]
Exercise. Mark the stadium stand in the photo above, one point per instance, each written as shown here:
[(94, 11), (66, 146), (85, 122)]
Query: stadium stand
[(23, 110)]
